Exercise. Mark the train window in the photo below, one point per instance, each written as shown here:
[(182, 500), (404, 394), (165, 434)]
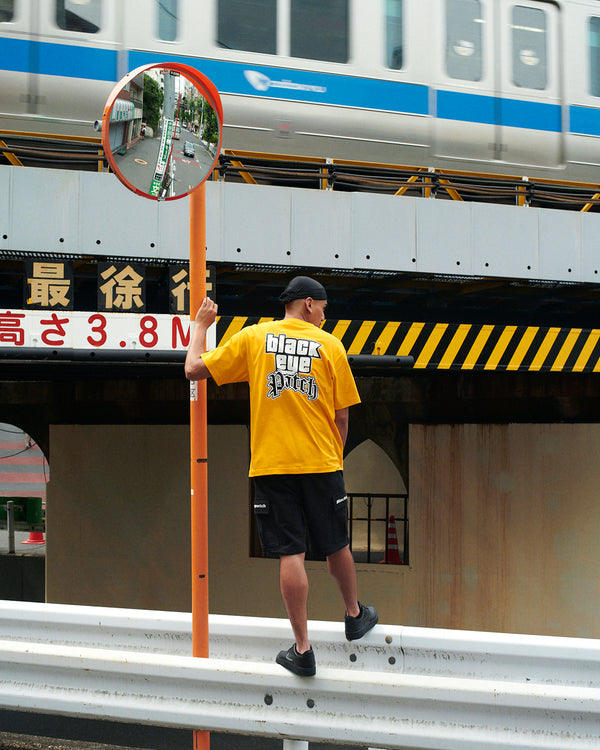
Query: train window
[(464, 39), (167, 19), (529, 35), (319, 30), (393, 34), (7, 10), (595, 56), (77, 16), (248, 26)]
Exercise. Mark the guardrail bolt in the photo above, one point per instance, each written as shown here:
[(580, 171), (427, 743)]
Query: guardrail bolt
[(310, 703), (268, 699), (353, 657)]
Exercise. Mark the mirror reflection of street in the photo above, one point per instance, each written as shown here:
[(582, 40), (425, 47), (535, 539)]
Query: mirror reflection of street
[(188, 171), (163, 133), (138, 163)]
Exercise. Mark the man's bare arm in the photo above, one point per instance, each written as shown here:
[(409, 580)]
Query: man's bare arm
[(341, 422), (195, 369)]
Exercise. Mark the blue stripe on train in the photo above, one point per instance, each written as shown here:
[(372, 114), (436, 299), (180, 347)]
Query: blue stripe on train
[(584, 120), (451, 105), (14, 54), (77, 61), (488, 110), (306, 86), (66, 60), (515, 113)]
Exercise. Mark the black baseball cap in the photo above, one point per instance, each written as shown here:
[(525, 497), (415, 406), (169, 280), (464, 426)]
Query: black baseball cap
[(301, 287)]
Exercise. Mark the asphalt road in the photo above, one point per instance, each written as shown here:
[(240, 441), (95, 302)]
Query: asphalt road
[(138, 164), (23, 730), (27, 731)]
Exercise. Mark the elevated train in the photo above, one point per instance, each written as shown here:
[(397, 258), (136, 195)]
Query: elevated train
[(500, 86)]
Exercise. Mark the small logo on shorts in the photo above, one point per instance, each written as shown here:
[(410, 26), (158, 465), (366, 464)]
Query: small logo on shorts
[(341, 500)]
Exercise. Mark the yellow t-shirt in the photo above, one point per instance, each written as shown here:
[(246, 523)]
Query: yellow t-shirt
[(298, 376)]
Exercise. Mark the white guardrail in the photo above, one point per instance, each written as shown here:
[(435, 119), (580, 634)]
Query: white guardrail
[(398, 687)]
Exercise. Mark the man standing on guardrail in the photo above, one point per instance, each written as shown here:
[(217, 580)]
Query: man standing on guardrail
[(301, 388)]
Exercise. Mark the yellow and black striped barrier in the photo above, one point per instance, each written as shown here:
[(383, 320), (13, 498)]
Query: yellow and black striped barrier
[(464, 346)]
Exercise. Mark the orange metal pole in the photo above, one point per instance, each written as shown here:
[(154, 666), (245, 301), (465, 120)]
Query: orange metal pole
[(198, 440)]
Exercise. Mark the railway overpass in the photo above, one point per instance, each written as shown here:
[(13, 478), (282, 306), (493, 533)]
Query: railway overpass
[(492, 433)]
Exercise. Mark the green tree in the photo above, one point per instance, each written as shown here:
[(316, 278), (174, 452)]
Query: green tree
[(153, 101), (211, 125)]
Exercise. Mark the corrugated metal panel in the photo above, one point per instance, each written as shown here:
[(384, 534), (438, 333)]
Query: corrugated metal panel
[(298, 227)]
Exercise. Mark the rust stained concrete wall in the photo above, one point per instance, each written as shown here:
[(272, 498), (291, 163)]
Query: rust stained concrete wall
[(118, 523), (117, 516), (505, 521)]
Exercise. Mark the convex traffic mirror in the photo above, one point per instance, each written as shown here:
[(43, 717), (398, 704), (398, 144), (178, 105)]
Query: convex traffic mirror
[(161, 130)]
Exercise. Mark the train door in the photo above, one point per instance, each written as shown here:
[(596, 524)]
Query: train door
[(78, 61), (16, 18), (499, 91), (465, 119), (530, 115), (582, 86)]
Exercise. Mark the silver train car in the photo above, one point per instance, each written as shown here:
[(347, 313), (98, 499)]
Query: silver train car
[(500, 86)]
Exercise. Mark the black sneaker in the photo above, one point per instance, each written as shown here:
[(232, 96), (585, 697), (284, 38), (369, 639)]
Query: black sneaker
[(357, 626), (300, 664)]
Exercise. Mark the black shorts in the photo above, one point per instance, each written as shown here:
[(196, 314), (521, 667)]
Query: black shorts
[(290, 506)]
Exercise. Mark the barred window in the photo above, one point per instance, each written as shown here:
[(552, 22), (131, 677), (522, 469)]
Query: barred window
[(378, 528)]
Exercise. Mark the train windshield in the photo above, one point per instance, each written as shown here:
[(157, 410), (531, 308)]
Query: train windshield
[(595, 56), (76, 16), (7, 10)]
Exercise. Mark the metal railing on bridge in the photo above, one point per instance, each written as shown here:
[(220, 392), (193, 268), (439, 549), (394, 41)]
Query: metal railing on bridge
[(337, 174), (46, 149), (51, 150)]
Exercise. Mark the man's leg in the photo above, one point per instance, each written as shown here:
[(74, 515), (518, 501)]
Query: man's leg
[(359, 618), (294, 590), (341, 567)]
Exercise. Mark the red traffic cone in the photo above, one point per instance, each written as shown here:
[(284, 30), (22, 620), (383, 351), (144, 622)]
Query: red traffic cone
[(392, 555), (35, 537)]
